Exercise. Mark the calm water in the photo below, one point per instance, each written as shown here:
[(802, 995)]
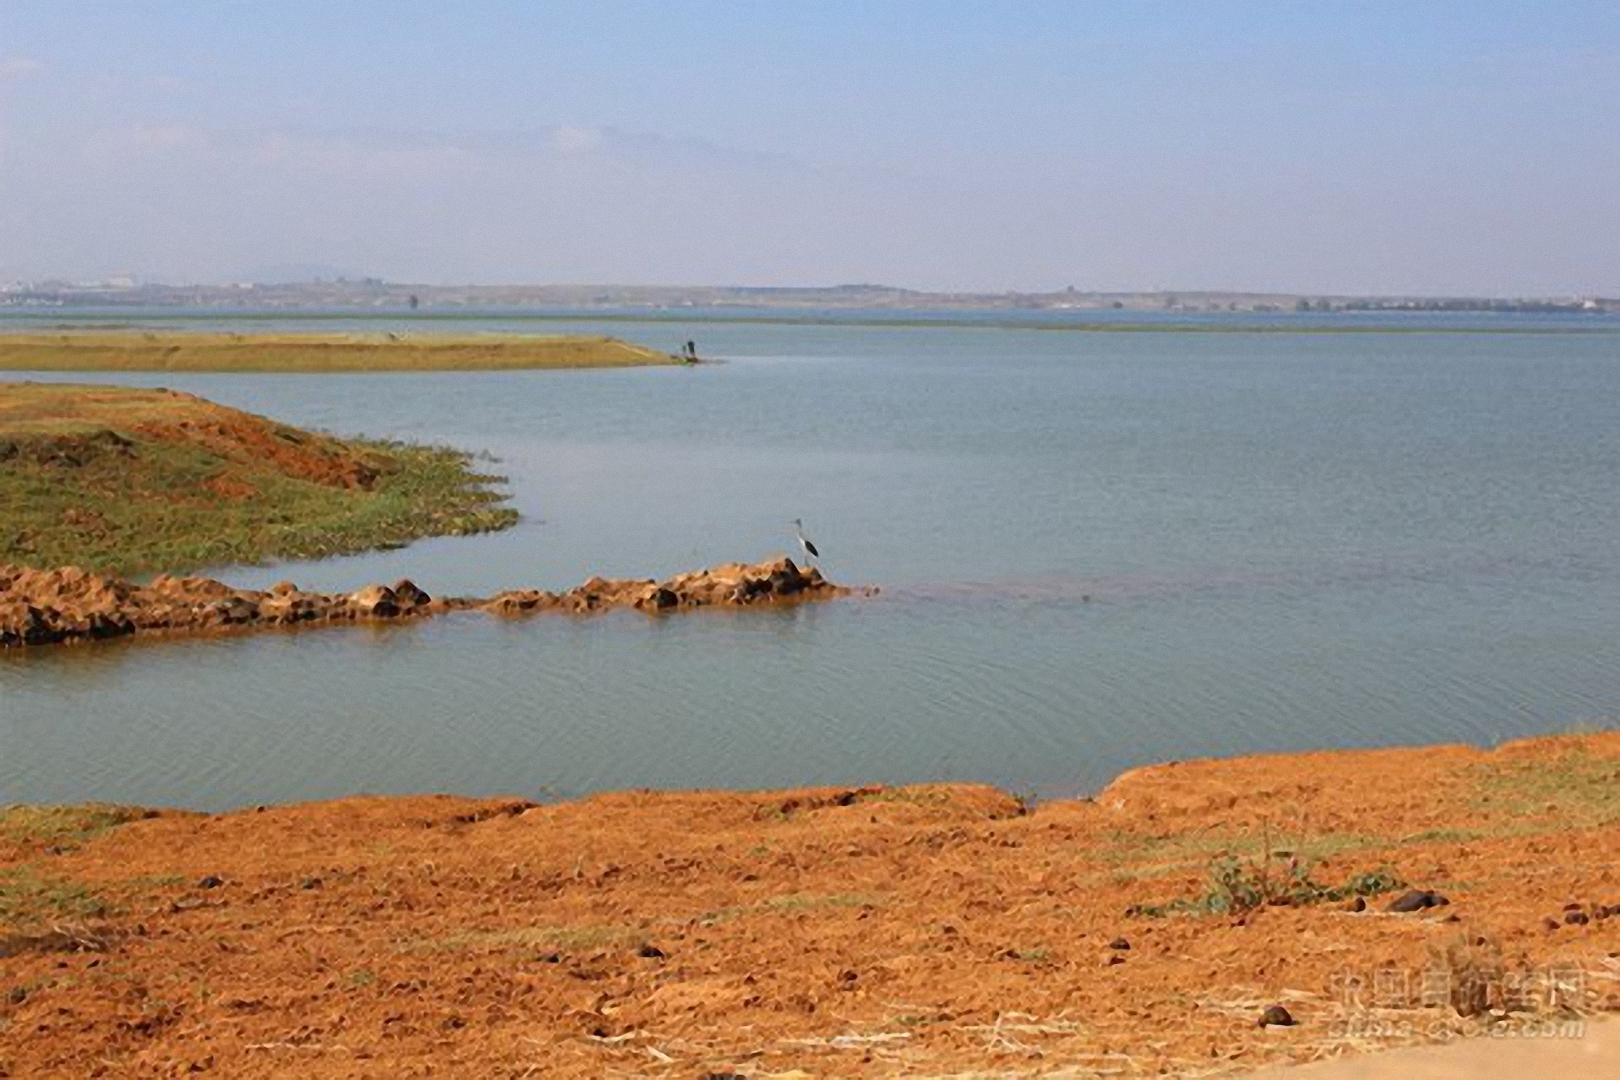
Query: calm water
[(1287, 541)]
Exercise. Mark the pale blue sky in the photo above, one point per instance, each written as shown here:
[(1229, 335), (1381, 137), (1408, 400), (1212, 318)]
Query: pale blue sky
[(1468, 147)]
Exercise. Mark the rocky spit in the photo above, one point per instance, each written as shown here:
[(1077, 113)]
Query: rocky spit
[(67, 605)]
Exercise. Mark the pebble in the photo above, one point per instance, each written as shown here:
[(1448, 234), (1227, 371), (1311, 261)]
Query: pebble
[(1119, 943), (1276, 1016), (650, 952), (1417, 900), (212, 881)]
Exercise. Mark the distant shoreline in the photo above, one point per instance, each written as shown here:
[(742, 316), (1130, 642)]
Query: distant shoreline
[(516, 350)]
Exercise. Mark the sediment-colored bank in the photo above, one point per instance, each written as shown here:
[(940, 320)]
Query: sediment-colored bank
[(1355, 900), (71, 605), (124, 350)]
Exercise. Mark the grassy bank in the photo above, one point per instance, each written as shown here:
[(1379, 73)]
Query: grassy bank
[(130, 481), (128, 350)]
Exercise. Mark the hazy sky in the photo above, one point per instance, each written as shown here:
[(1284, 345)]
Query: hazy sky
[(1469, 147)]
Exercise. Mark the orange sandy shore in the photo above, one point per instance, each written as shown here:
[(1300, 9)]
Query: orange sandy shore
[(923, 931)]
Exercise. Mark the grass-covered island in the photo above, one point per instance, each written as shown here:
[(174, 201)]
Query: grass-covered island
[(126, 480), (135, 350)]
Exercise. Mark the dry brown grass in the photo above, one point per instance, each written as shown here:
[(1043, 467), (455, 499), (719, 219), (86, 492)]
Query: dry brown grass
[(97, 350)]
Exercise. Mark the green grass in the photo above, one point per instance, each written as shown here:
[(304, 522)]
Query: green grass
[(29, 900), (125, 350), (1238, 885), (60, 826), (789, 903), (1575, 788), (1141, 857), (131, 481)]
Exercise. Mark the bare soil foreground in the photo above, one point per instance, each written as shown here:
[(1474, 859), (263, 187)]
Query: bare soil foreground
[(1593, 1054), (71, 605), (1354, 900), (119, 479), (106, 350)]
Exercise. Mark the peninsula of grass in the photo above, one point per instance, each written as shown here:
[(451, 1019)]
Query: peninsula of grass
[(133, 481), (130, 350)]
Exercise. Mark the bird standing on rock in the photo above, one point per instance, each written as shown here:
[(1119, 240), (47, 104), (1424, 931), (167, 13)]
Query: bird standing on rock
[(810, 552)]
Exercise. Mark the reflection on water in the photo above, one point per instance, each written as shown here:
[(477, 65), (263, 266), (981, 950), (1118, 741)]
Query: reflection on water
[(1095, 550)]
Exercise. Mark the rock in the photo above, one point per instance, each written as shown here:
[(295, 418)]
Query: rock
[(1576, 918), (1550, 924), (212, 881), (68, 604), (1119, 943), (650, 952), (662, 599), (1358, 904), (1276, 1016), (376, 601), (408, 595), (1417, 900)]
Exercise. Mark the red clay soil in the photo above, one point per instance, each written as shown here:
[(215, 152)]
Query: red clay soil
[(241, 437), (72, 605), (925, 931)]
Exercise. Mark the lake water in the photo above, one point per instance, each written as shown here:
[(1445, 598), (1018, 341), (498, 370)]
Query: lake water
[(1095, 549)]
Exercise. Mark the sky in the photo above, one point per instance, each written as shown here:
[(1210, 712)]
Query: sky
[(1420, 146)]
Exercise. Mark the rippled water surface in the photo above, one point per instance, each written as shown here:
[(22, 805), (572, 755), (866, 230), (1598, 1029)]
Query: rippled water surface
[(1096, 550)]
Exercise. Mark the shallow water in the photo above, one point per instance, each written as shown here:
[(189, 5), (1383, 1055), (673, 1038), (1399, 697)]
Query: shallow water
[(1096, 550)]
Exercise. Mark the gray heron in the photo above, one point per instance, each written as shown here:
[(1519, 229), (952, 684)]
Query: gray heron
[(810, 552)]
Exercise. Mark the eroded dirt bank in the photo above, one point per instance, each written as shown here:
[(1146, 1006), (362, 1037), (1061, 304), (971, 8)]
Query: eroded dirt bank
[(51, 607), (1379, 897)]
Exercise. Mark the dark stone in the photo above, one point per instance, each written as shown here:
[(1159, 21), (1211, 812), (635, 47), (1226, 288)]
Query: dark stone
[(1550, 923), (663, 599), (310, 883), (1576, 918), (1276, 1016), (407, 594), (1119, 943), (650, 952), (18, 995), (1358, 904), (551, 958), (1112, 960), (212, 881), (1417, 900)]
